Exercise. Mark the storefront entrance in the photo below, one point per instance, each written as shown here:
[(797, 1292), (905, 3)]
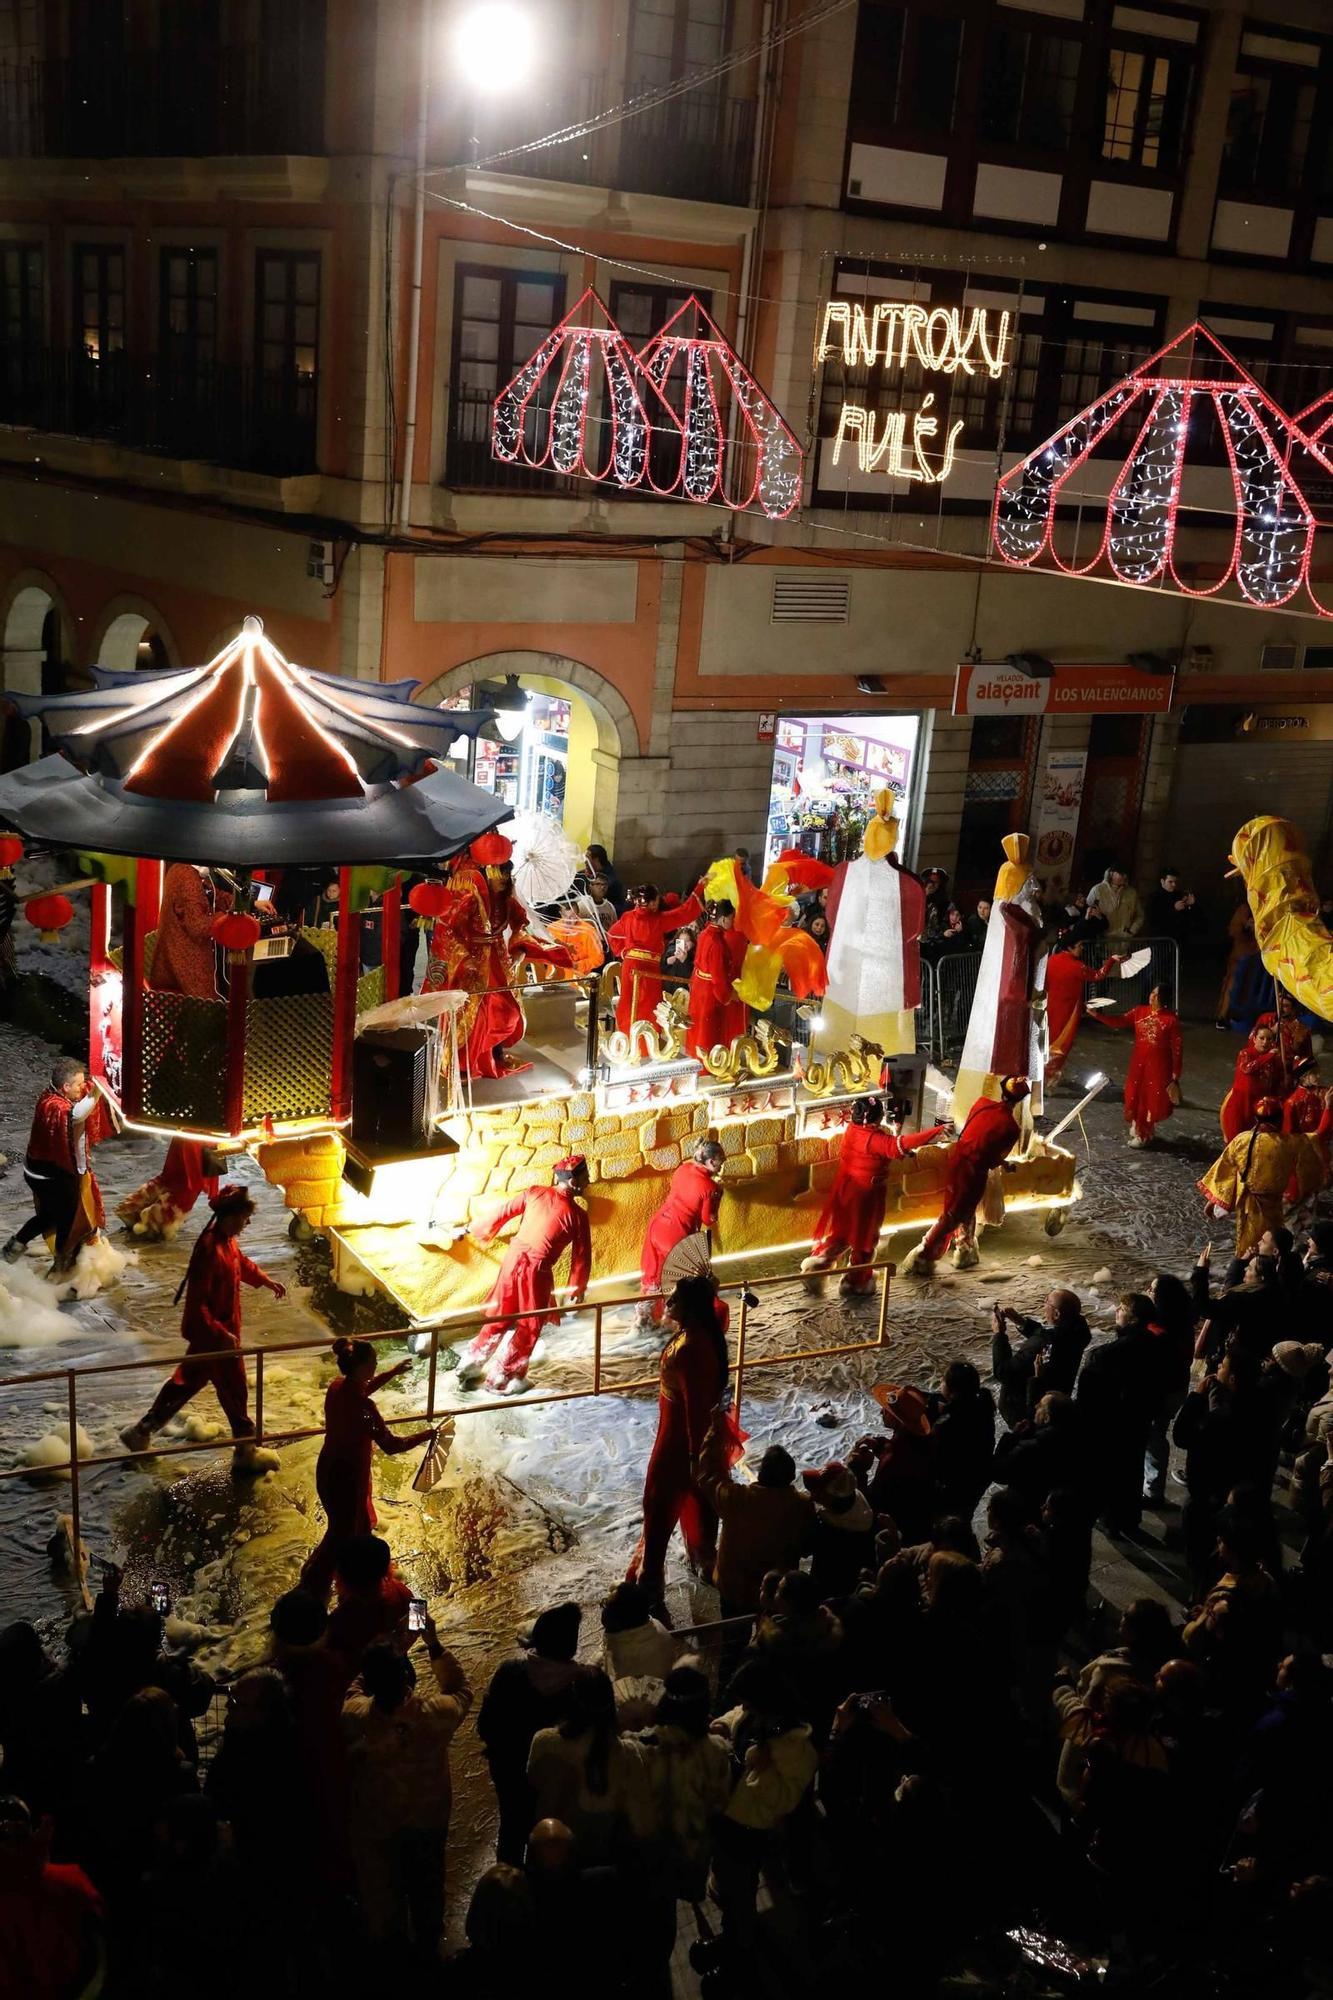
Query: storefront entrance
[(826, 772)]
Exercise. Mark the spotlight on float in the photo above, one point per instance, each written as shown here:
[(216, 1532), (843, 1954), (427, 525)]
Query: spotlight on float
[(1093, 1087), (816, 1022), (495, 46)]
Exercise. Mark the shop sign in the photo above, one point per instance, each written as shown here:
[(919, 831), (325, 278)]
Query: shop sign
[(767, 729), (1066, 690)]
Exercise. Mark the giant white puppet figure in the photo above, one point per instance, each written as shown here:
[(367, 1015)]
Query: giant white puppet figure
[(876, 913), (1005, 1031)]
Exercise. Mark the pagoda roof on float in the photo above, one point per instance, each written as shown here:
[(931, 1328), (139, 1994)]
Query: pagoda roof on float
[(249, 761)]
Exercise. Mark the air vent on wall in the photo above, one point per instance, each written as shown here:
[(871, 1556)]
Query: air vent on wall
[(804, 597), (1317, 659), (1277, 659)]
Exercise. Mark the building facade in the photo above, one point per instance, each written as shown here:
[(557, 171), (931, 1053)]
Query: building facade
[(211, 323)]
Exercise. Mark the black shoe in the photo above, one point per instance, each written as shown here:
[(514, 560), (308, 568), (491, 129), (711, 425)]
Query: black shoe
[(705, 1953)]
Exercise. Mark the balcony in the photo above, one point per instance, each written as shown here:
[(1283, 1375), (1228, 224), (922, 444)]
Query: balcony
[(470, 466), (212, 102), (221, 413), (696, 148)]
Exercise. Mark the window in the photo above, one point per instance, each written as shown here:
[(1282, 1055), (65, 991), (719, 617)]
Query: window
[(1027, 95), (188, 311), (287, 355), (99, 300), (1268, 126), (500, 317), (912, 60), (1147, 97), (22, 329), (674, 38), (640, 311)]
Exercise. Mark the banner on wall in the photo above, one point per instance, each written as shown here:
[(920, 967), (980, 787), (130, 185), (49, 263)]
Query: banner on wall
[(1065, 690), (1055, 830)]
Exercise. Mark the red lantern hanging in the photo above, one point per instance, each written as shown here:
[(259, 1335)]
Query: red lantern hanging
[(236, 932), (491, 850), (48, 916), (431, 901), (11, 852)]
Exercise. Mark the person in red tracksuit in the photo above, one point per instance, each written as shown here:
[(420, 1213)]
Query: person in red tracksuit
[(988, 1137), (692, 1204), (717, 1015), (855, 1207), (693, 1376), (217, 1269), (552, 1222)]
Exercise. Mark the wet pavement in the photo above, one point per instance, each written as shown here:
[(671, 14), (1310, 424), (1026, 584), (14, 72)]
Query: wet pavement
[(540, 1502)]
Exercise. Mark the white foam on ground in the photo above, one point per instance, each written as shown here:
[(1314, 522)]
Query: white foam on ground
[(29, 1313), (48, 1453), (98, 1266)]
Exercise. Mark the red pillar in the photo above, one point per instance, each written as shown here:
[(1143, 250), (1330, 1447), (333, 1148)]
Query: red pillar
[(391, 931), (141, 915), (348, 967), (100, 970)]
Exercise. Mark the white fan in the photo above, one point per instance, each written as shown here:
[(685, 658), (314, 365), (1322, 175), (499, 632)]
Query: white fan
[(1136, 962), (690, 1258), (546, 860), (431, 1469)]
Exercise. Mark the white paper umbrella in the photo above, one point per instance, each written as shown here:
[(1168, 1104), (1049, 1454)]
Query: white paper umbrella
[(546, 860)]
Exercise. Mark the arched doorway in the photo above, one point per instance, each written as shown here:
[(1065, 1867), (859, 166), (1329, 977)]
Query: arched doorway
[(134, 639), (565, 757), (36, 660)]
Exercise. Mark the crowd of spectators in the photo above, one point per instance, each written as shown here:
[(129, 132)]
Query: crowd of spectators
[(917, 1740)]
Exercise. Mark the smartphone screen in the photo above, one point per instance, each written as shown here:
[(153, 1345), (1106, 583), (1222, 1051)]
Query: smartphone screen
[(416, 1615), (159, 1597), (263, 895)]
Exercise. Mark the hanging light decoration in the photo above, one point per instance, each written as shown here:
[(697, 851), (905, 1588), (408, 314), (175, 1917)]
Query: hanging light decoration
[(1136, 525), (11, 852), (596, 421), (48, 915)]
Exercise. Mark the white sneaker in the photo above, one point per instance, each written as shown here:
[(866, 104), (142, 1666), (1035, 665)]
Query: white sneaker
[(250, 1460), (1133, 1140), (966, 1257), (469, 1373), (915, 1265), (517, 1385)]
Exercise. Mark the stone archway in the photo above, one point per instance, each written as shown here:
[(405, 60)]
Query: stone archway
[(131, 634), (616, 737), (35, 638)]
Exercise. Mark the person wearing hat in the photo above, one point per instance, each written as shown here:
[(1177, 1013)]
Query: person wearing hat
[(898, 1468), (470, 951), (211, 1322), (1251, 1177), (854, 1211), (525, 1695), (843, 1537), (637, 939), (692, 1204), (986, 1141), (1307, 1104), (521, 1302)]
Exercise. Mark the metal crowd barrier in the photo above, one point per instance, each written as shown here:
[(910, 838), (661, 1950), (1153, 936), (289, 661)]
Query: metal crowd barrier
[(949, 984), (434, 1412)]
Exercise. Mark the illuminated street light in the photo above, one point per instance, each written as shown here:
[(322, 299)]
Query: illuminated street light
[(495, 45)]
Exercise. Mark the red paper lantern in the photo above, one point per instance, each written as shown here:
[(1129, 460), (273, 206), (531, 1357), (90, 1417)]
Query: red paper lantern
[(11, 850), (491, 850), (431, 901), (236, 932), (48, 915)]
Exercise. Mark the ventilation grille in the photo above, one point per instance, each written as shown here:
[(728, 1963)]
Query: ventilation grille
[(803, 598), (1278, 659)]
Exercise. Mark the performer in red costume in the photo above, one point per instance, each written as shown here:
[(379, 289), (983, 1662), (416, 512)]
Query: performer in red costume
[(158, 1208), (692, 1203), (1067, 983), (211, 1321), (1258, 1074), (469, 951), (855, 1207), (987, 1139), (717, 1014), (1152, 1085), (68, 1122), (692, 1378), (1295, 1043), (1309, 1109), (637, 940), (352, 1428), (521, 1300)]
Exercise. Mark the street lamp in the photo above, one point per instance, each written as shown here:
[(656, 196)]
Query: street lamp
[(495, 45)]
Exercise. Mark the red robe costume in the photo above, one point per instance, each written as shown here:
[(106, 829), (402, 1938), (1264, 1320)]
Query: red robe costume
[(160, 1206), (717, 1015), (211, 1320), (185, 956), (691, 1377), (1067, 983), (1153, 1067), (525, 1286), (1294, 1040), (854, 1211), (66, 1197), (692, 1203), (469, 951), (637, 939), (1305, 1111), (1257, 1075), (988, 1137), (353, 1427)]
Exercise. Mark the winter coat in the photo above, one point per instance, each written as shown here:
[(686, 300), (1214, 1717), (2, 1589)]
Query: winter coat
[(686, 1783), (1121, 908), (762, 1527), (601, 1822), (775, 1775), (399, 1758), (843, 1544)]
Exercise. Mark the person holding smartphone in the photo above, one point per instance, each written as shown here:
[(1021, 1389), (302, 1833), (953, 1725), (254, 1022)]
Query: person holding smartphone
[(353, 1427)]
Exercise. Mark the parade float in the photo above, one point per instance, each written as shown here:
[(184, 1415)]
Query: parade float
[(252, 765)]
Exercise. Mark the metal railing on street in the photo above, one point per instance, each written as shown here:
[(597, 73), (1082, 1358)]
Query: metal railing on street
[(743, 1364), (949, 985)]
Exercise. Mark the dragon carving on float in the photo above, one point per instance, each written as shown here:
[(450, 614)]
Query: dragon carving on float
[(757, 1053), (1297, 948), (852, 1068)]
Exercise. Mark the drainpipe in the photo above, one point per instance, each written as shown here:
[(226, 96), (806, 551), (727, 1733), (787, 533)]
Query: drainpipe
[(766, 61), (418, 244)]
